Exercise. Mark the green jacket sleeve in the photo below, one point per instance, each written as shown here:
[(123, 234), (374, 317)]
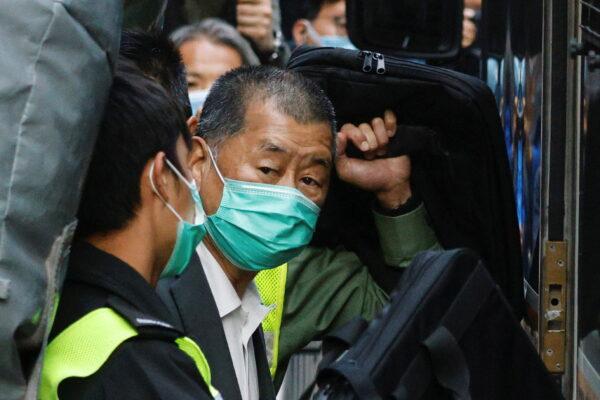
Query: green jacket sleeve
[(326, 288)]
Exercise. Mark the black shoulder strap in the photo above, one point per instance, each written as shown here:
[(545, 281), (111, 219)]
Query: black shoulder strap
[(340, 340), (147, 326)]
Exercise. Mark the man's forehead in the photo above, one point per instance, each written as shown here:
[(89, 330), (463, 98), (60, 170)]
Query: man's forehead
[(317, 152), (264, 117)]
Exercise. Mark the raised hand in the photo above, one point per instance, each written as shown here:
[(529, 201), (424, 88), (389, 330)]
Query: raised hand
[(387, 177)]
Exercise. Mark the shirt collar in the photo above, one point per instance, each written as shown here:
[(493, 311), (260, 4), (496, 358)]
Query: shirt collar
[(224, 293)]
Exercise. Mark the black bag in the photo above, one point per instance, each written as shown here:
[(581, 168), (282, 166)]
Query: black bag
[(449, 124), (448, 333)]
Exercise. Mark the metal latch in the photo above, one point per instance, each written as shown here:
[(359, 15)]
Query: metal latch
[(553, 299)]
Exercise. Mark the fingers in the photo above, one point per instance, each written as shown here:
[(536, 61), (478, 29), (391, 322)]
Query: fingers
[(381, 135), (254, 9), (253, 2), (372, 139), (257, 33), (391, 122), (369, 136), (252, 20), (341, 142), (356, 137)]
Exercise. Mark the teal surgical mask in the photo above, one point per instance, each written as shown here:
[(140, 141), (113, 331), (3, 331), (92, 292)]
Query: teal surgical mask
[(188, 235), (259, 226)]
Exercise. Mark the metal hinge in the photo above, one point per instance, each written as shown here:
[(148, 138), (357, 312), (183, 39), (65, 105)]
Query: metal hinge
[(553, 299)]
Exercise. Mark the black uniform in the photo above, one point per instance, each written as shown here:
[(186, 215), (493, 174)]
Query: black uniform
[(148, 366)]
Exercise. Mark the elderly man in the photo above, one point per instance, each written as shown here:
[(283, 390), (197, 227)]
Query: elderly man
[(262, 164), (257, 20), (208, 50)]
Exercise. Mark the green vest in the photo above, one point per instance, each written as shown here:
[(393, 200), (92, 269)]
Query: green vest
[(82, 348), (271, 287)]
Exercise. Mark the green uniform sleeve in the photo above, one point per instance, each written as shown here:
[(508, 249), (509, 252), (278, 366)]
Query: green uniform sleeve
[(326, 288), (403, 236)]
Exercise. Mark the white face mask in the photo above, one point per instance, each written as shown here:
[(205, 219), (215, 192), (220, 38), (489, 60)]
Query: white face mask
[(197, 98)]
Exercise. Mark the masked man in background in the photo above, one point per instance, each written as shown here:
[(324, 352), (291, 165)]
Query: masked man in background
[(322, 23)]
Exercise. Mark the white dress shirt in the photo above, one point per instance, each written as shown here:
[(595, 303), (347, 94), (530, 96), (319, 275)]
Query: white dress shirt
[(240, 318)]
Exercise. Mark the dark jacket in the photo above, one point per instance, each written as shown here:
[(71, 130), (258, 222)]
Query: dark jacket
[(190, 299), (148, 366)]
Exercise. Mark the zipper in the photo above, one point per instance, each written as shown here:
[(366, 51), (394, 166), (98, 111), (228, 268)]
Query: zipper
[(424, 72), (380, 63), (368, 61), (373, 61)]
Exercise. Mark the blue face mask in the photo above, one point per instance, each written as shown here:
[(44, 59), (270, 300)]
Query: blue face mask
[(188, 235), (342, 42), (197, 99), (339, 41), (259, 226)]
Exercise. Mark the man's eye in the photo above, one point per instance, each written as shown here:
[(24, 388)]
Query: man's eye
[(266, 170), (309, 181)]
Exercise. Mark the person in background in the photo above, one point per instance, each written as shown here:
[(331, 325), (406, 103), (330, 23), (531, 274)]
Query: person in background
[(112, 337), (322, 23), (471, 18), (208, 50), (257, 20)]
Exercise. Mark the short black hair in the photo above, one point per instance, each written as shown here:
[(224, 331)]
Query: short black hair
[(158, 58), (140, 119), (223, 114)]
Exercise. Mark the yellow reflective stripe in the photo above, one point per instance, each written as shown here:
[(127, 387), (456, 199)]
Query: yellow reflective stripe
[(82, 348), (189, 347), (271, 286)]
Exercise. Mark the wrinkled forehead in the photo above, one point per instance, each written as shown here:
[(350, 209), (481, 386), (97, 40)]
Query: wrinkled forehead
[(266, 124), (267, 130)]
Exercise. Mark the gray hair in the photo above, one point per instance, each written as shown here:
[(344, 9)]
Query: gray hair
[(218, 32), (293, 95)]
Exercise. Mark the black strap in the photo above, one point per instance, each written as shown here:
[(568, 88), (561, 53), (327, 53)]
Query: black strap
[(340, 340), (147, 326), (449, 364), (441, 357), (360, 381)]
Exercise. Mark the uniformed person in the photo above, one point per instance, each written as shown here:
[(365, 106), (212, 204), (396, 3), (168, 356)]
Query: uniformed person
[(112, 336)]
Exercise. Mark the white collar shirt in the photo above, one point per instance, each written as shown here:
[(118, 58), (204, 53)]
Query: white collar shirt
[(240, 318)]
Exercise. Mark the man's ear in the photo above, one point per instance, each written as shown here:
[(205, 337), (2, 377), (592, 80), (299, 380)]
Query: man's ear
[(158, 176), (192, 124), (199, 160), (300, 32)]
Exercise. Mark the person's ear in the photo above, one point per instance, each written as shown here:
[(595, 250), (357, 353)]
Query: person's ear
[(192, 124), (300, 32), (161, 178), (199, 159)]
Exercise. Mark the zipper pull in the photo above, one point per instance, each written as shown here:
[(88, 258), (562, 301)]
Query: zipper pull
[(368, 62), (380, 63)]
